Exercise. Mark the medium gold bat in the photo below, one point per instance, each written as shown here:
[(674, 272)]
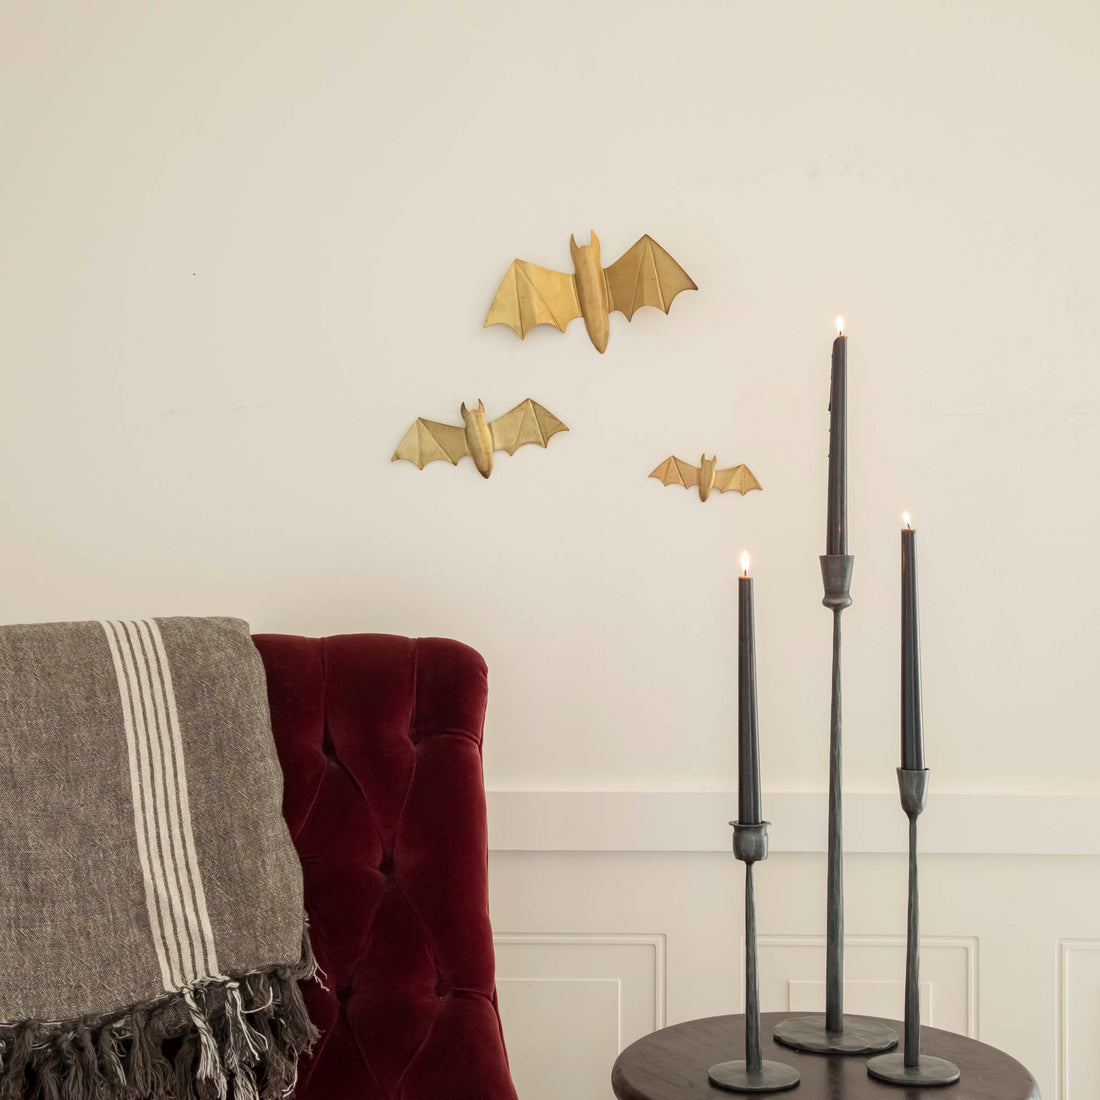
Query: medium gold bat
[(428, 440), (645, 275), (675, 471)]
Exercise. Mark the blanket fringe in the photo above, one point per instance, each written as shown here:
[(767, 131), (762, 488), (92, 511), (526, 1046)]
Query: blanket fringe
[(222, 1036)]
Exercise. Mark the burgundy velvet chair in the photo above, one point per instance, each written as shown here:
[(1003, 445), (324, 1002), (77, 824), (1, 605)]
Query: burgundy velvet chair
[(380, 743)]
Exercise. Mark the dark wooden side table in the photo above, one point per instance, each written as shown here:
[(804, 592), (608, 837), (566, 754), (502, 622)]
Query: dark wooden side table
[(671, 1064)]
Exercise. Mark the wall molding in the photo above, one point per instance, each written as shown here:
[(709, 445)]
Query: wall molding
[(968, 944), (1066, 947), (658, 941), (695, 821)]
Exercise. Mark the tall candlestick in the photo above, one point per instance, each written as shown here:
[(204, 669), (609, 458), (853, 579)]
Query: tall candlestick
[(836, 540), (832, 1032), (912, 718), (749, 803)]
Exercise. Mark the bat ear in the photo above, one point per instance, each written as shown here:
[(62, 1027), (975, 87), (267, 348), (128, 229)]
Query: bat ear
[(464, 410), (573, 246), (593, 239), (480, 405)]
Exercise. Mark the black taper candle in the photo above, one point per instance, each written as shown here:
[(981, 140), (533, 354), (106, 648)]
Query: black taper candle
[(749, 803), (836, 539), (912, 718)]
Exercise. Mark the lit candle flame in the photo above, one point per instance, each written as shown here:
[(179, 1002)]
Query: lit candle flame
[(907, 521), (744, 563), (840, 326)]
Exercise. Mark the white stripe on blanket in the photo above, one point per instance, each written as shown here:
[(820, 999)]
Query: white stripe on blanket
[(180, 774), (175, 899)]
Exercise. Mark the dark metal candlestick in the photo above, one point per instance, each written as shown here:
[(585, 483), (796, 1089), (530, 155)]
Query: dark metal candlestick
[(912, 1067), (834, 1033), (752, 1074)]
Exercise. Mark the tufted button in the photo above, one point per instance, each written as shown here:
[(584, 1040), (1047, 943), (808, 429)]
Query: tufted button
[(328, 748), (442, 989), (386, 866)]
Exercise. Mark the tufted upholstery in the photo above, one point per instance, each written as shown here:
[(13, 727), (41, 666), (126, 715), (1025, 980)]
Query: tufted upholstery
[(380, 743)]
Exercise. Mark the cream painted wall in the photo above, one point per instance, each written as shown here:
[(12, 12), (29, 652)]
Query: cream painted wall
[(245, 244)]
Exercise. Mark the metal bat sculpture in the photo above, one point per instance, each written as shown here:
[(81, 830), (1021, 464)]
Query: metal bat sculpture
[(674, 471), (428, 440), (645, 275)]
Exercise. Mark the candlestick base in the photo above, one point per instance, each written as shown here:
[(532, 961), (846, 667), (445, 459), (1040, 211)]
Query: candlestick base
[(858, 1035), (836, 576), (927, 1073), (737, 1077)]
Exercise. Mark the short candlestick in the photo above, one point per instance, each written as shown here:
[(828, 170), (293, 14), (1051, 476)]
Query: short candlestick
[(752, 1074), (912, 1067)]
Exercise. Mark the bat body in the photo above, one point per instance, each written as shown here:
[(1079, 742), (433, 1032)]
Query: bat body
[(645, 275), (479, 438), (428, 440), (592, 296), (675, 471)]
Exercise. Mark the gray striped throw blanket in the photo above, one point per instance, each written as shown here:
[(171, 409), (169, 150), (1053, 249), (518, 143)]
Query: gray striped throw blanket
[(151, 921)]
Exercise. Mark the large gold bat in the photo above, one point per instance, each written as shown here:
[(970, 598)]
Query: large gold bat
[(675, 471), (645, 275), (428, 440)]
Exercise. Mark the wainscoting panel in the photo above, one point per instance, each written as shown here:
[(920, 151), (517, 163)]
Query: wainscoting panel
[(601, 943), (870, 998), (793, 977), (562, 1033), (1078, 1076), (570, 1002)]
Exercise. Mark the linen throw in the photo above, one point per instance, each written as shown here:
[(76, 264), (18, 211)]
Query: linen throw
[(151, 920)]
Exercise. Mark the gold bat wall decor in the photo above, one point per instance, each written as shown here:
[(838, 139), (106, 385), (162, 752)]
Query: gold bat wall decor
[(428, 440), (645, 275), (675, 471)]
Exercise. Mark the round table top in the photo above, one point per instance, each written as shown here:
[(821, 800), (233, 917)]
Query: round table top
[(673, 1063)]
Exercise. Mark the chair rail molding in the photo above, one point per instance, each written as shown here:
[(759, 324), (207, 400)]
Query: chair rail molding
[(695, 821)]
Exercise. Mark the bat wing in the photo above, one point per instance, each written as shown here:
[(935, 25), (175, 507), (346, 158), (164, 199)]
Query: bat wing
[(529, 295), (427, 440), (674, 471), (736, 477), (528, 422), (645, 275)]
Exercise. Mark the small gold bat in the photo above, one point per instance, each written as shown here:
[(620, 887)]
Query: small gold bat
[(645, 275), (675, 471), (428, 440)]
